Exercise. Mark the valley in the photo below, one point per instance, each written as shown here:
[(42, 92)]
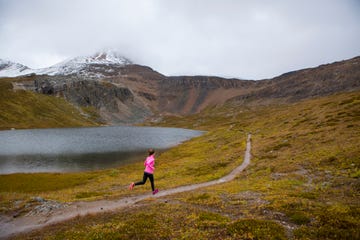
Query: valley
[(302, 182)]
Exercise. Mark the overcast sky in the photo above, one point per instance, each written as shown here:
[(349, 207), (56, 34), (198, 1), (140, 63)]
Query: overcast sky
[(252, 39)]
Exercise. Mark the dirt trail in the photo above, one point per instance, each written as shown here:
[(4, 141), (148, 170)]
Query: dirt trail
[(10, 226)]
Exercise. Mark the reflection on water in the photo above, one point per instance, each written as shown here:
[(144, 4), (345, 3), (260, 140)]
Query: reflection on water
[(82, 149)]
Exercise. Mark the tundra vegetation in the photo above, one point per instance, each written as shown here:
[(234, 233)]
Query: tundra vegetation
[(302, 182)]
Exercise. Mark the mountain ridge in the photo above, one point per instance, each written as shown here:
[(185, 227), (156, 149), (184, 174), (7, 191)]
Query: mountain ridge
[(129, 93), (310, 82)]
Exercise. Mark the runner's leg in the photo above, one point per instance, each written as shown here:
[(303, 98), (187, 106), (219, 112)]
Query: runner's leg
[(151, 177), (143, 181)]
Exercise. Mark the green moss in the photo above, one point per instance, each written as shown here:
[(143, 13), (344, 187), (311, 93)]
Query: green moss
[(356, 174), (209, 216), (325, 232), (334, 222), (308, 195), (256, 229), (281, 145), (298, 218)]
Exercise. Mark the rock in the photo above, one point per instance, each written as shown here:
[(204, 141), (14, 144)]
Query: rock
[(38, 199), (46, 207)]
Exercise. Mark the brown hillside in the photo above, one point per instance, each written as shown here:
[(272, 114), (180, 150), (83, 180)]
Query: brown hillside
[(308, 83), (135, 93)]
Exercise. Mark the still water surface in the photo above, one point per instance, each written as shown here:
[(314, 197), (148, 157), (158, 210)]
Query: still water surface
[(83, 149)]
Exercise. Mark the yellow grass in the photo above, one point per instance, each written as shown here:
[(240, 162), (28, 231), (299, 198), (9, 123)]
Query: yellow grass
[(24, 109)]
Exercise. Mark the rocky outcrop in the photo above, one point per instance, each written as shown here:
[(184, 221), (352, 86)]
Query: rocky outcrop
[(114, 103)]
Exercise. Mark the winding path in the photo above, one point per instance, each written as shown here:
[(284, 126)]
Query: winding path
[(12, 226)]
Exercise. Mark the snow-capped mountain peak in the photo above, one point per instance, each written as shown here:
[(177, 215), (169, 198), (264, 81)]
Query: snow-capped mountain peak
[(100, 64), (12, 69), (97, 65), (106, 57)]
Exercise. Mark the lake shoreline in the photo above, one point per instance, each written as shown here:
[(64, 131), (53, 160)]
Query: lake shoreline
[(85, 148)]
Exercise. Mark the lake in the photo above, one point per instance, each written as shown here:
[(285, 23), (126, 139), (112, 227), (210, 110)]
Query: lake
[(83, 149)]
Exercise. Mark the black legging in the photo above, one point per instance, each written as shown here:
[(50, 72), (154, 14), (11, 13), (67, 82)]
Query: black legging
[(150, 176)]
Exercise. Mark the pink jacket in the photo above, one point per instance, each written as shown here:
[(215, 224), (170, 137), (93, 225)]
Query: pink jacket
[(149, 164)]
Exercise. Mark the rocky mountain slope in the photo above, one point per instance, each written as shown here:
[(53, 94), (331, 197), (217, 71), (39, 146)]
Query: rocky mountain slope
[(186, 94), (308, 83), (124, 92)]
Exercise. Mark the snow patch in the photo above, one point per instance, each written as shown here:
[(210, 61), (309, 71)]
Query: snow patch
[(12, 69)]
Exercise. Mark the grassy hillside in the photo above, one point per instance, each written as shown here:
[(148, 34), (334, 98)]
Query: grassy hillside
[(303, 181), (25, 109)]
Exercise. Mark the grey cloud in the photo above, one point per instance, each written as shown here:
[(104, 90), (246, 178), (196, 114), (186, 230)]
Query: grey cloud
[(248, 39)]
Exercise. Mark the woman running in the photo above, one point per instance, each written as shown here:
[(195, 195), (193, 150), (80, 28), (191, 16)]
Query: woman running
[(148, 172)]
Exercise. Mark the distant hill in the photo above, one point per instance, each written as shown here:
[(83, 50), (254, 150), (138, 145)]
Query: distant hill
[(308, 83)]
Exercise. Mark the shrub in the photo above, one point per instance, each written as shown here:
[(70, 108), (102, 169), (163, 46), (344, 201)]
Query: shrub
[(299, 218)]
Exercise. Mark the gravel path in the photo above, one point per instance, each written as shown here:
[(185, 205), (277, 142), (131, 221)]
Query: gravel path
[(11, 226)]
